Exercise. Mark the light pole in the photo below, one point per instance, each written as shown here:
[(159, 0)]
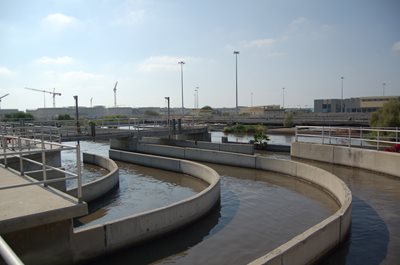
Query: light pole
[(283, 98), (167, 98), (341, 102), (251, 94), (78, 128), (237, 108), (182, 63), (383, 88), (197, 97)]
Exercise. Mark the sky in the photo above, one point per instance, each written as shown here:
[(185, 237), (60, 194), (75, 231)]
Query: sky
[(83, 47)]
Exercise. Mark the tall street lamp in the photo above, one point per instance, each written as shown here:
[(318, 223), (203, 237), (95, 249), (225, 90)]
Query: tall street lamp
[(283, 98), (237, 108), (182, 63), (251, 94), (197, 97), (341, 103)]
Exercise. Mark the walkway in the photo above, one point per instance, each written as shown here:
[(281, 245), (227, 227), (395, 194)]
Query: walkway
[(30, 206)]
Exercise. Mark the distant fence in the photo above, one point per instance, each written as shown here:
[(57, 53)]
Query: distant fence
[(376, 138)]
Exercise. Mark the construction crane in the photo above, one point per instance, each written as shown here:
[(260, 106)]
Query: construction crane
[(115, 94), (3, 97), (54, 93)]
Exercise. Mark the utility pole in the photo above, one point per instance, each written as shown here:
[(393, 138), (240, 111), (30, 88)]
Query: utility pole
[(78, 128), (341, 103), (251, 94), (237, 106), (91, 101), (182, 63), (168, 119), (283, 98)]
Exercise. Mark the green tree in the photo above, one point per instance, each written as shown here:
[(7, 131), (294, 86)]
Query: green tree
[(152, 113), (64, 117), (288, 120), (18, 116), (387, 116)]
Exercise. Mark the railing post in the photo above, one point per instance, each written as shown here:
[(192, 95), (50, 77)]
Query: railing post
[(295, 133), (21, 163), (79, 178), (5, 151), (349, 137), (377, 140), (330, 132), (397, 135), (44, 162), (361, 136), (322, 134), (8, 254)]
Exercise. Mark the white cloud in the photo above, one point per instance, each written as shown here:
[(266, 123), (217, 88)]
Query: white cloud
[(130, 18), (58, 60), (259, 43), (167, 63), (4, 71), (396, 47), (59, 21), (79, 75)]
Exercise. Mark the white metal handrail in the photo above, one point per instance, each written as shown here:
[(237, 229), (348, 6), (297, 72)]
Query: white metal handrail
[(11, 143), (8, 254), (350, 136)]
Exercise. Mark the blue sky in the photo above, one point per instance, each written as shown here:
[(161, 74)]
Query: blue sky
[(83, 47)]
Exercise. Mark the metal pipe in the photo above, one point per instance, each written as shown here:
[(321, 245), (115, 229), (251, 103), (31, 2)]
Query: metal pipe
[(8, 254), (44, 162), (78, 162)]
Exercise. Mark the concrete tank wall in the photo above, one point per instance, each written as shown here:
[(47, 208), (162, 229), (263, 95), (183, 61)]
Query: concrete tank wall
[(226, 147), (95, 189), (380, 161), (98, 240), (313, 243)]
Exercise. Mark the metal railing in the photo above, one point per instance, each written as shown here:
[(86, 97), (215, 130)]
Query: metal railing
[(349, 136), (18, 148), (8, 254)]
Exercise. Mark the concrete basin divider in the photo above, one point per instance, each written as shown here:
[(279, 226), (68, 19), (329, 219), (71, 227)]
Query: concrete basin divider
[(313, 243), (379, 161), (97, 188), (97, 240)]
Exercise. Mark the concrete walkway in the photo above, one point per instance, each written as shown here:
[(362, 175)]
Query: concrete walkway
[(30, 206)]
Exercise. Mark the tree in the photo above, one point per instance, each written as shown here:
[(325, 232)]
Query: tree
[(288, 119), (18, 116), (152, 113), (387, 116), (64, 117)]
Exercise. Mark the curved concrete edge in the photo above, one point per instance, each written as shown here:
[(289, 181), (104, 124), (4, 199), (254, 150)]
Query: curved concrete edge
[(313, 243), (100, 239), (318, 240), (97, 188), (379, 161)]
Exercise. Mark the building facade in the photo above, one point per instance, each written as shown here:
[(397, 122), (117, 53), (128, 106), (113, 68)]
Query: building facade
[(361, 104)]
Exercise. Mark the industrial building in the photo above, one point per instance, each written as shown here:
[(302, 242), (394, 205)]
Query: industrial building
[(361, 104)]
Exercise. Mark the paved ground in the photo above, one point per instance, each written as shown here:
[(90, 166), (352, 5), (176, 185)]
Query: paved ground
[(30, 206)]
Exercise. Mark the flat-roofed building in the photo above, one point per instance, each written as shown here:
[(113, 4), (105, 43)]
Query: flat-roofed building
[(361, 104)]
